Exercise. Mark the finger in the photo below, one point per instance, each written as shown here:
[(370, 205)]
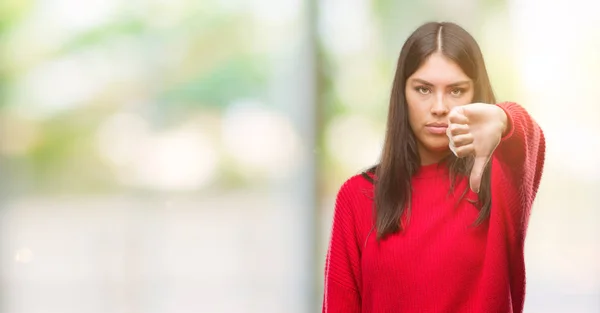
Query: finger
[(457, 116), (457, 129), (452, 147), (462, 140), (477, 172), (464, 151)]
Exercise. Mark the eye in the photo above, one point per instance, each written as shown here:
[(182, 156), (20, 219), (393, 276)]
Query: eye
[(423, 90), (457, 92)]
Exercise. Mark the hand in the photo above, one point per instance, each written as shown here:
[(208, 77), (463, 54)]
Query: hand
[(476, 129)]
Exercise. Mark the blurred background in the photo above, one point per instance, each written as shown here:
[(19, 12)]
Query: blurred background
[(184, 156)]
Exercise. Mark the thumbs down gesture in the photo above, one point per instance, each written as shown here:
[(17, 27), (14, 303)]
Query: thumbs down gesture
[(476, 130)]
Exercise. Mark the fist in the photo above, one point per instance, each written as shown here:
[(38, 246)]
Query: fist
[(475, 130)]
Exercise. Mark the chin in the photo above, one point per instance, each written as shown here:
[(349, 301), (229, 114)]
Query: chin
[(439, 150), (438, 145)]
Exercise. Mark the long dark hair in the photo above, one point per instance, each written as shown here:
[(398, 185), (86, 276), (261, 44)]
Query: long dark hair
[(400, 158)]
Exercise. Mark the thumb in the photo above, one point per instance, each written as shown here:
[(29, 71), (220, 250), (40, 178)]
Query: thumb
[(458, 116), (477, 172)]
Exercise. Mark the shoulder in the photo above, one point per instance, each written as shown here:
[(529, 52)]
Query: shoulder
[(358, 182), (357, 189), (354, 205)]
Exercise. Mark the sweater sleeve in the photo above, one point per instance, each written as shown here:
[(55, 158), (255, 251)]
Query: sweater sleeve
[(522, 152), (341, 292)]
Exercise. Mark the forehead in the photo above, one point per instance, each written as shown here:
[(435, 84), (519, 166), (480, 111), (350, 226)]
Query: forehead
[(440, 70)]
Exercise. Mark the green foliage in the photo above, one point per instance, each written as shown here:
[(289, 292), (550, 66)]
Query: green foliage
[(240, 77), (101, 35), (397, 19), (11, 12), (66, 158)]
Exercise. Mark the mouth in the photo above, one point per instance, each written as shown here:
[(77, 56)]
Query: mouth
[(437, 125), (437, 128)]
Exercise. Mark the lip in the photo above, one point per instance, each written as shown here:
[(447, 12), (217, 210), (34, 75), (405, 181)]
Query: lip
[(437, 128)]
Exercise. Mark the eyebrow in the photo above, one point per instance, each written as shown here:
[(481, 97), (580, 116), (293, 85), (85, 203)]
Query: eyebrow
[(424, 82)]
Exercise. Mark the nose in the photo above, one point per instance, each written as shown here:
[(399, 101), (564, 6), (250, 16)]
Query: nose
[(439, 107)]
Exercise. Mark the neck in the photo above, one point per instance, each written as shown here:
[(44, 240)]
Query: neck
[(428, 158)]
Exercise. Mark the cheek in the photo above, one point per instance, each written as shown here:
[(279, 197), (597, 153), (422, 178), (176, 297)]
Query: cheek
[(413, 114), (416, 108)]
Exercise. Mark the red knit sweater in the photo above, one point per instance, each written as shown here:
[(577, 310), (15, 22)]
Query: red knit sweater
[(440, 262)]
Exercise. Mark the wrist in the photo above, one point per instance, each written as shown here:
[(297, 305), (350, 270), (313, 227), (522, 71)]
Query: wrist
[(503, 121)]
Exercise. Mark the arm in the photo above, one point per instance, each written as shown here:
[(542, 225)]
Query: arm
[(522, 149), (341, 294)]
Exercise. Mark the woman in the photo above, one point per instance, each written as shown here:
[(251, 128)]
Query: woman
[(409, 235)]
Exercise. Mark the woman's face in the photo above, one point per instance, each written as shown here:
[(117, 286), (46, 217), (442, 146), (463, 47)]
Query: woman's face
[(431, 92)]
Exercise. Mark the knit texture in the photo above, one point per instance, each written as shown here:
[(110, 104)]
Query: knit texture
[(440, 262)]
